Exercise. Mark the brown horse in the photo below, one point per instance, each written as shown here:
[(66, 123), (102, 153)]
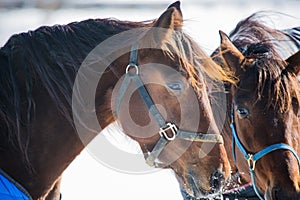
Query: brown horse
[(265, 106), (44, 100)]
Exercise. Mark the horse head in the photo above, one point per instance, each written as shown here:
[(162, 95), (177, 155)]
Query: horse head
[(265, 113)]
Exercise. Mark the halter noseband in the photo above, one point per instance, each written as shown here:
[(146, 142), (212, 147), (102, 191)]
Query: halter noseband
[(253, 158), (172, 129)]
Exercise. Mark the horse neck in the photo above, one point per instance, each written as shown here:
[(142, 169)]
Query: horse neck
[(52, 146), (53, 142)]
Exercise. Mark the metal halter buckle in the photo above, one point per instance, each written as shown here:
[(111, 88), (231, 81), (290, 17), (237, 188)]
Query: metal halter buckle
[(169, 127), (132, 65)]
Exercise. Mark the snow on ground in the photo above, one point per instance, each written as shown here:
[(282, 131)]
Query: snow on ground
[(88, 179)]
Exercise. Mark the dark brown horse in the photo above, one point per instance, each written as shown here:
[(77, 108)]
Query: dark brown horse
[(44, 100), (265, 106)]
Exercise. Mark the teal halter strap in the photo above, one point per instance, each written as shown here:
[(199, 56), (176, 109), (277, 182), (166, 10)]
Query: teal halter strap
[(253, 158)]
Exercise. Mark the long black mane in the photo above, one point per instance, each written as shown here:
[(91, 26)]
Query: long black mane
[(49, 56)]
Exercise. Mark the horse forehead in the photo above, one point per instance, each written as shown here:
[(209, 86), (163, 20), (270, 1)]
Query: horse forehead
[(247, 83), (156, 56)]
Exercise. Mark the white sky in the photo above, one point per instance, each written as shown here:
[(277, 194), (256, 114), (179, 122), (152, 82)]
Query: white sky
[(88, 179)]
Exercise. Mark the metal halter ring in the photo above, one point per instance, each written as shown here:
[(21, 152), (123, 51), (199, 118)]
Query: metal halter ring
[(251, 162), (172, 128), (132, 65)]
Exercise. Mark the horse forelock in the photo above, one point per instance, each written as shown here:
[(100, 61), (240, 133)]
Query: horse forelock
[(194, 62), (259, 42)]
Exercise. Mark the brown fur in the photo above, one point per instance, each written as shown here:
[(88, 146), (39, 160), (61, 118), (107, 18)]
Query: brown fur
[(268, 88), (37, 75)]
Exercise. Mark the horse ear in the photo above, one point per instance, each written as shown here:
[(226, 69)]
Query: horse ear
[(231, 55), (164, 27), (294, 64), (171, 18)]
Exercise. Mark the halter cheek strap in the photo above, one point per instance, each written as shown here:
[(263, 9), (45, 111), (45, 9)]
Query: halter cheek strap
[(253, 158), (167, 131)]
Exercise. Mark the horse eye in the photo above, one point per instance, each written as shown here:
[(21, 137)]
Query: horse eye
[(176, 86), (242, 112)]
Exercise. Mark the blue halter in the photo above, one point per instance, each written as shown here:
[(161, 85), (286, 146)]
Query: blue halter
[(253, 158)]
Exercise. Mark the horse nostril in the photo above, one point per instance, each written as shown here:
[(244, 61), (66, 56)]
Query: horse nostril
[(216, 180)]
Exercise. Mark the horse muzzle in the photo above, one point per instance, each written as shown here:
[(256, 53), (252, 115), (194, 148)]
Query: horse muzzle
[(195, 189)]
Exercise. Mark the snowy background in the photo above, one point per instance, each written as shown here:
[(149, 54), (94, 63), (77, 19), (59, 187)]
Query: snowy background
[(86, 178)]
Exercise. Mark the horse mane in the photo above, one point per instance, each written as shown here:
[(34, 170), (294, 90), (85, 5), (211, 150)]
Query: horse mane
[(258, 42), (49, 56)]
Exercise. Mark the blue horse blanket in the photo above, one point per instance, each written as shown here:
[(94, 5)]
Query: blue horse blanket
[(11, 190)]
